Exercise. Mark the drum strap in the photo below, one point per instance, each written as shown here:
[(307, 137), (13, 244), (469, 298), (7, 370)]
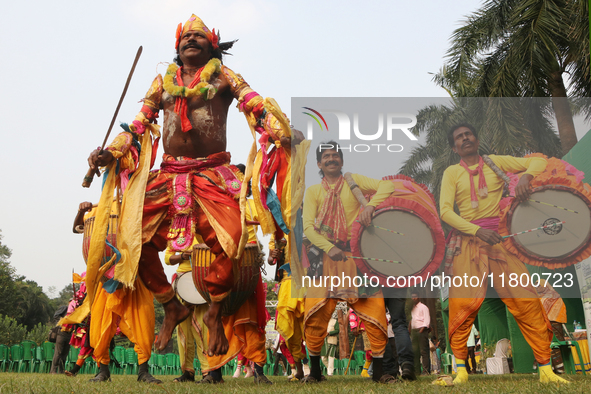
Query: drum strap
[(487, 160)]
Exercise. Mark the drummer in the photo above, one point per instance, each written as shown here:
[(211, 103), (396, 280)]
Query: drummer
[(329, 212), (114, 308), (192, 331), (478, 249), (290, 310)]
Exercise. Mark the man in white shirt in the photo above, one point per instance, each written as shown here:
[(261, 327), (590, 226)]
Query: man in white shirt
[(420, 323), (471, 354)]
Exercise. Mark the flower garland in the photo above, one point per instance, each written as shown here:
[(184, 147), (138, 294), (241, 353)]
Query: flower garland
[(203, 88)]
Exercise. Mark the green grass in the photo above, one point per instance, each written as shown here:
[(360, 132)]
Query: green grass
[(43, 383)]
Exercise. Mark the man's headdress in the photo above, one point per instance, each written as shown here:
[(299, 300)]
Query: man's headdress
[(195, 23)]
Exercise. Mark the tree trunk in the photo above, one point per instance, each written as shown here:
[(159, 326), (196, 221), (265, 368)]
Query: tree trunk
[(431, 303), (564, 116), (344, 349)]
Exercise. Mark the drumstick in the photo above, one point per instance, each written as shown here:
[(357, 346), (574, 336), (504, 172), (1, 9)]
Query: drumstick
[(372, 259), (383, 228), (534, 229), (550, 205)]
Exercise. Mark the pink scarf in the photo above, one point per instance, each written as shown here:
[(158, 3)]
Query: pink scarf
[(482, 187), (331, 221)]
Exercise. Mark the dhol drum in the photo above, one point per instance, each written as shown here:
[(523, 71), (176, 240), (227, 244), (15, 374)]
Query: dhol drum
[(405, 238), (185, 288), (111, 239), (245, 284), (560, 217), (553, 228)]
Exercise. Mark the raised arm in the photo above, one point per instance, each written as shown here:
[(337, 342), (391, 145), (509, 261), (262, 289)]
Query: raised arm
[(121, 147), (79, 219)]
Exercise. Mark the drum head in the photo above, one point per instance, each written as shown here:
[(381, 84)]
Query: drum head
[(186, 289), (414, 249), (559, 241)]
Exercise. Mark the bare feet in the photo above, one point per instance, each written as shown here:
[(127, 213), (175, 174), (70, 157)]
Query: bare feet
[(174, 313), (218, 343)]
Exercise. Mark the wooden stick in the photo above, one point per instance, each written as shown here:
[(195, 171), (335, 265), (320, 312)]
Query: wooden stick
[(352, 350), (90, 173)]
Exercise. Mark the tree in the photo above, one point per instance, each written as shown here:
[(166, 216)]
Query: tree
[(32, 305), (10, 331), (523, 48), (39, 333), (7, 281)]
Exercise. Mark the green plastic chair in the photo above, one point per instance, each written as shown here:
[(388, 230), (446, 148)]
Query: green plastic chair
[(359, 356), (72, 358), (26, 363), (4, 357), (566, 351), (89, 367), (161, 364), (36, 367), (170, 364), (230, 367), (131, 362), (447, 363), (48, 351), (153, 363), (119, 353), (177, 364), (352, 366), (338, 367), (16, 357)]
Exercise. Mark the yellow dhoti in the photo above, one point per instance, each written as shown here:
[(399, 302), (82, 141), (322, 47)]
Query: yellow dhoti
[(191, 331), (478, 258), (290, 317), (319, 308), (135, 308)]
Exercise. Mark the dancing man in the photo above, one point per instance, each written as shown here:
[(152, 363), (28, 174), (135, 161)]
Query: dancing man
[(478, 248), (330, 209), (196, 189)]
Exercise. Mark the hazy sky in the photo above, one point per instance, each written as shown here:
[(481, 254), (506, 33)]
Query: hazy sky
[(65, 64)]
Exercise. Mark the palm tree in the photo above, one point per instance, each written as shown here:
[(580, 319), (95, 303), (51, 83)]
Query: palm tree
[(523, 48)]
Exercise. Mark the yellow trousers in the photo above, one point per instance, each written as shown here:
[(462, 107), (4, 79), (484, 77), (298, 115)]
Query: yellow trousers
[(320, 303), (290, 317), (478, 258), (191, 338), (132, 310), (370, 310)]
